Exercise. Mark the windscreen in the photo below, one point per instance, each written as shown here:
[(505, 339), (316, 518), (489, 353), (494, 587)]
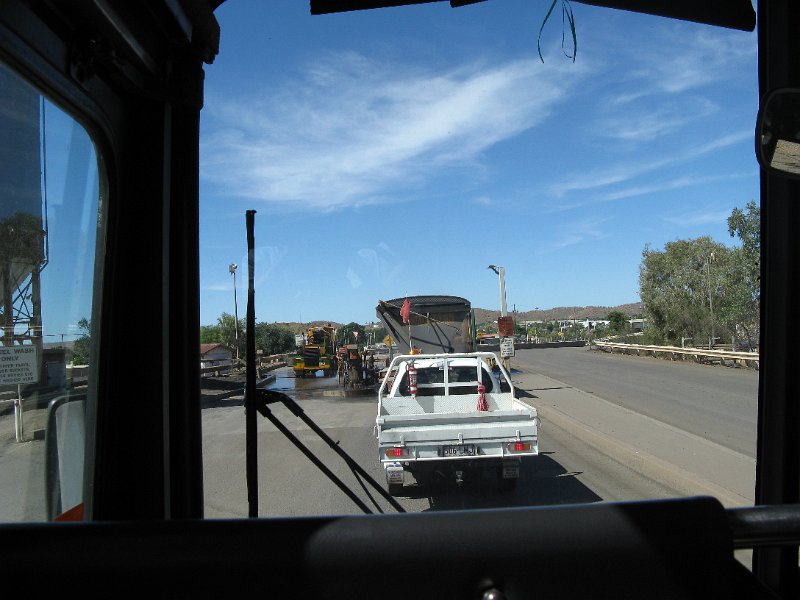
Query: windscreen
[(593, 197)]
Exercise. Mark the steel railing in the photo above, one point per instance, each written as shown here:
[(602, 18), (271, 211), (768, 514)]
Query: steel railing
[(696, 353)]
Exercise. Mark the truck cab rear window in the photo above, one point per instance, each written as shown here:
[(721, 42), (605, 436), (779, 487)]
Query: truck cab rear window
[(462, 380)]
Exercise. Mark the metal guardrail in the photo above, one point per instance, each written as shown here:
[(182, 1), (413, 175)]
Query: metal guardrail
[(264, 363), (215, 371), (744, 358)]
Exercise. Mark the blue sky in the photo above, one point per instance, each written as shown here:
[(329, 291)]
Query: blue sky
[(402, 151)]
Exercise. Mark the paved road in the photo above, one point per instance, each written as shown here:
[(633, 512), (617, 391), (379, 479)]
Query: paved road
[(569, 470), (714, 402)]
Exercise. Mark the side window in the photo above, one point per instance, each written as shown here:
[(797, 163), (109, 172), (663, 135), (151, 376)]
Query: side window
[(50, 227)]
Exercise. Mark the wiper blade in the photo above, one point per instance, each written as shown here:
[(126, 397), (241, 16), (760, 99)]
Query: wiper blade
[(266, 397), (256, 401)]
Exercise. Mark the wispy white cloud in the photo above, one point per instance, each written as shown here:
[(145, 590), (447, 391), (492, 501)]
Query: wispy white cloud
[(217, 287), (649, 124), (699, 217), (706, 57), (483, 201), (663, 186), (576, 232), (661, 93), (694, 61), (353, 127), (645, 189), (628, 171)]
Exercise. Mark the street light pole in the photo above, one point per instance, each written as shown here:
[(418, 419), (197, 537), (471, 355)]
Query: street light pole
[(232, 269), (501, 273)]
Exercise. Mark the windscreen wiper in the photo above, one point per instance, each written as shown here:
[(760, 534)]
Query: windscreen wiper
[(257, 401), (266, 397)]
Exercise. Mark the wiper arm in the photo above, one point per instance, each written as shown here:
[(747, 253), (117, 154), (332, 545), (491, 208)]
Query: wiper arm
[(257, 400), (265, 397)]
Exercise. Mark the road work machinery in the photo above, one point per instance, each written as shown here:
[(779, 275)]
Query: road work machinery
[(318, 352)]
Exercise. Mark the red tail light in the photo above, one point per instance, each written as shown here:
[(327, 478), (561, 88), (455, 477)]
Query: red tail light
[(519, 446), (396, 452)]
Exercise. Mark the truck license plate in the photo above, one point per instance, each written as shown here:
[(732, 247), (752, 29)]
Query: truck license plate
[(394, 475), (459, 450)]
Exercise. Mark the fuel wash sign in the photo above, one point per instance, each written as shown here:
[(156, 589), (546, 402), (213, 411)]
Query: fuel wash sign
[(18, 365)]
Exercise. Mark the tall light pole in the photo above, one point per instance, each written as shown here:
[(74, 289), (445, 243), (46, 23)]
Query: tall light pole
[(709, 260), (501, 273), (232, 270)]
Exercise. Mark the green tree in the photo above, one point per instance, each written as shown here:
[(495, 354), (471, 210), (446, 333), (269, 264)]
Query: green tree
[(687, 290), (743, 308), (519, 328), (575, 331), (82, 346), (273, 339), (537, 330), (224, 332), (746, 225), (600, 330), (617, 321), (210, 334), (344, 335), (230, 329)]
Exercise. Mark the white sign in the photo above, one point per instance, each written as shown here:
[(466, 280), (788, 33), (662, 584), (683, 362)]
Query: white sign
[(18, 365), (507, 347)]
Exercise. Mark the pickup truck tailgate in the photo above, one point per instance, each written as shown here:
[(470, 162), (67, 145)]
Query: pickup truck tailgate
[(447, 428)]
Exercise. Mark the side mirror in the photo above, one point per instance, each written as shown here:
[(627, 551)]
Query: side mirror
[(65, 440), (778, 133)]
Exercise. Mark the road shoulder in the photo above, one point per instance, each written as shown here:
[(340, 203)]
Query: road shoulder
[(685, 462)]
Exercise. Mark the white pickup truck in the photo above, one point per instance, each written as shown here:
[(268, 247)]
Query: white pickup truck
[(449, 415)]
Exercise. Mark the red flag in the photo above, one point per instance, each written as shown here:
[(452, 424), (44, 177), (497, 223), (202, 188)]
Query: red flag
[(482, 404), (405, 311)]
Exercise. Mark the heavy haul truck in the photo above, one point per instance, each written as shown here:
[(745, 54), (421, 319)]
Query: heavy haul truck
[(317, 353)]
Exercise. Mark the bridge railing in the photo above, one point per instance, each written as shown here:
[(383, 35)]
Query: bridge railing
[(675, 352), (263, 363)]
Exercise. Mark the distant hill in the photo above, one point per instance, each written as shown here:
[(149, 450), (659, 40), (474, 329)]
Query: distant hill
[(562, 312), (483, 315)]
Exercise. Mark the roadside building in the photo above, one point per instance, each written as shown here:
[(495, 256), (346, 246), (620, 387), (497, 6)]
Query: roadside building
[(637, 324), (215, 355)]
